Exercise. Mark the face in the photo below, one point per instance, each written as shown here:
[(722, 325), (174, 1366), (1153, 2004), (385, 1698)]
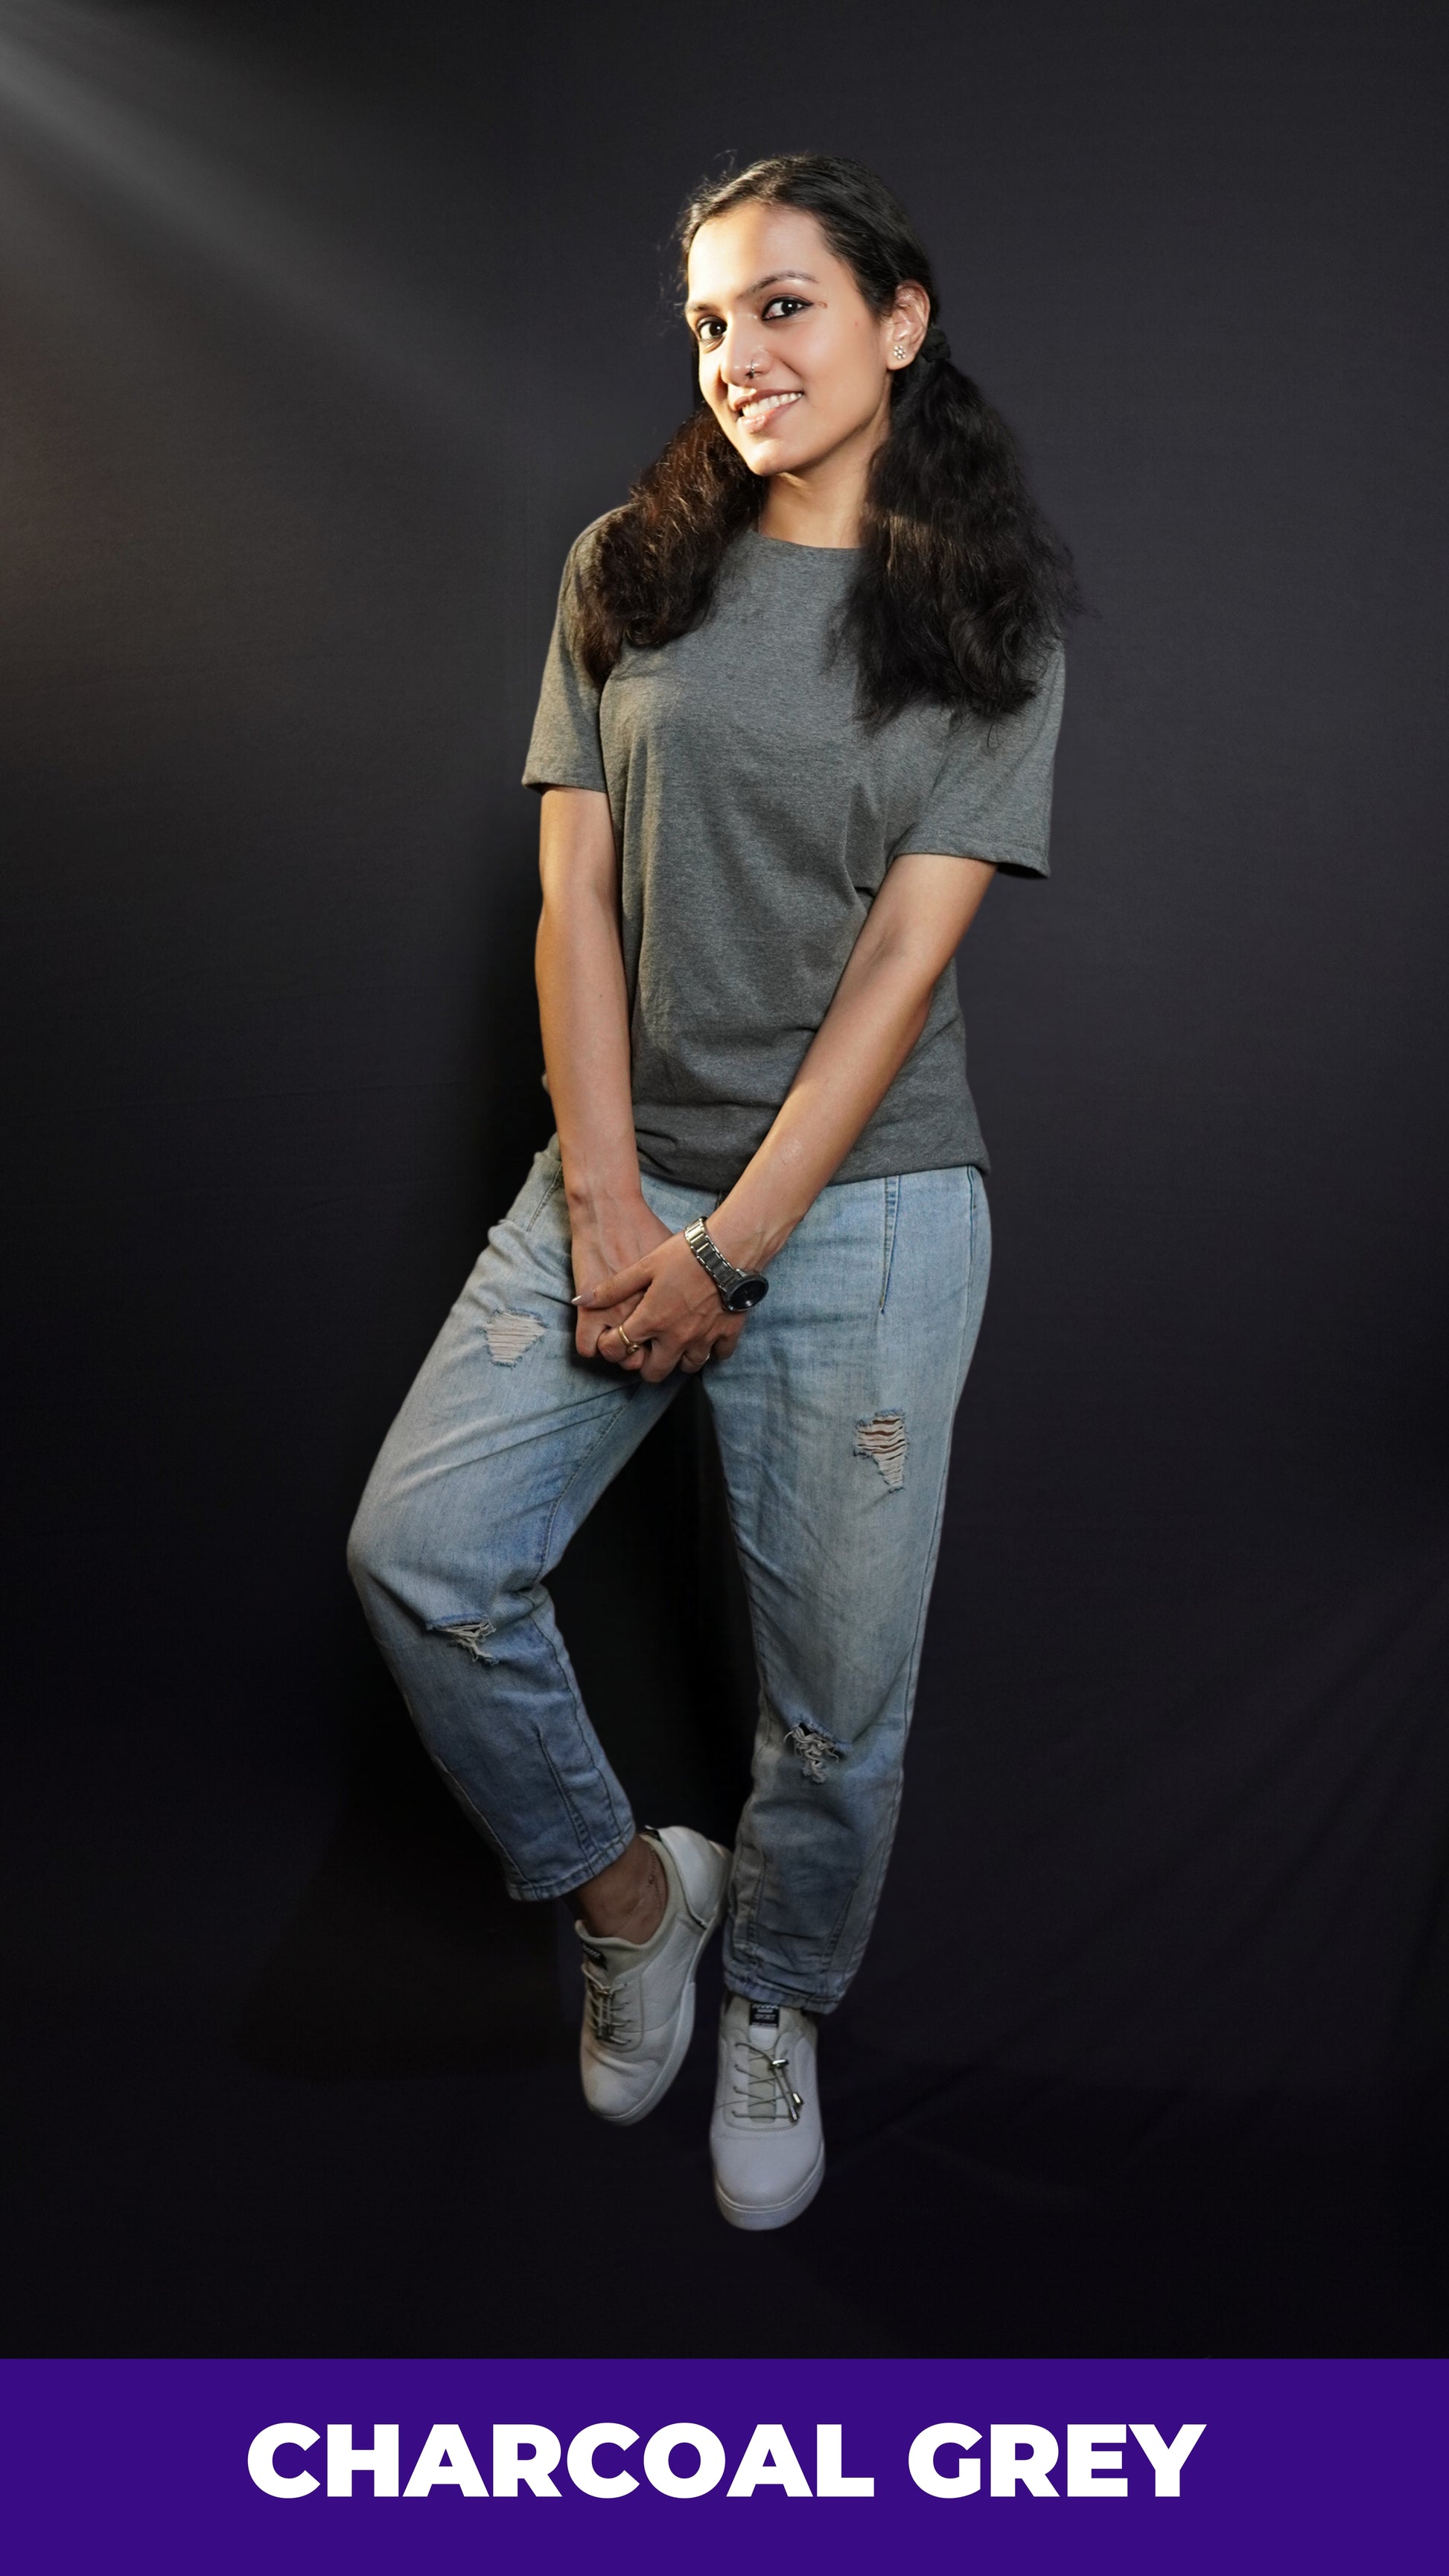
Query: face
[(792, 361)]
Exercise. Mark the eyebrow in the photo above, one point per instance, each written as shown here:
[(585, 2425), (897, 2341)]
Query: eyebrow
[(777, 277)]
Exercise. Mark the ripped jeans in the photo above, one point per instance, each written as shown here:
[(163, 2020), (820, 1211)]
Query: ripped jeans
[(833, 1418)]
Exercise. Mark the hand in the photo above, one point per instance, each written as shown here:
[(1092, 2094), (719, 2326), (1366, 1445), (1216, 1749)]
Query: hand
[(669, 1304), (605, 1241)]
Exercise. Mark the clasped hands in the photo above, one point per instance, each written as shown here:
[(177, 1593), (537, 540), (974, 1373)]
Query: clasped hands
[(665, 1300)]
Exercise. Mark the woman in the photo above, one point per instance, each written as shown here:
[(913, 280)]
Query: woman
[(800, 704)]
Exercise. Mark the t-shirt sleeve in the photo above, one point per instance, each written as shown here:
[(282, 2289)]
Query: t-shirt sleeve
[(564, 748), (992, 795)]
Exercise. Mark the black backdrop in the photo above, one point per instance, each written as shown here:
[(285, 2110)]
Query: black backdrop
[(325, 330)]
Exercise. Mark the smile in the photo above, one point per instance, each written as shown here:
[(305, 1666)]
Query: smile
[(758, 408)]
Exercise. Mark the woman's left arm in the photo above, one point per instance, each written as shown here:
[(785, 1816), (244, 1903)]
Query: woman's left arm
[(910, 934)]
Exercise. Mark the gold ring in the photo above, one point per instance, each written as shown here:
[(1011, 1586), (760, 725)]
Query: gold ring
[(630, 1347)]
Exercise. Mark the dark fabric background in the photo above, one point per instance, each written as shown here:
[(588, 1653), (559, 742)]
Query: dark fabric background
[(325, 329)]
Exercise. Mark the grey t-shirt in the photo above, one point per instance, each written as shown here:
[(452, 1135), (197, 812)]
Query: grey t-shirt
[(756, 817)]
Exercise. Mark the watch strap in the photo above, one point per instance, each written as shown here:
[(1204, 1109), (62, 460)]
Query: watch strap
[(727, 1278)]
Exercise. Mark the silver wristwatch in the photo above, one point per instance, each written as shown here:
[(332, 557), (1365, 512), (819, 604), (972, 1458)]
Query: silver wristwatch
[(738, 1289)]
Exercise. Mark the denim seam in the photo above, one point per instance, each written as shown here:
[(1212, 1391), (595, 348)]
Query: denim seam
[(746, 1943), (589, 1849), (928, 1569), (623, 1837), (729, 1504), (486, 1827), (561, 1497), (887, 1837), (551, 1638), (867, 1893), (892, 1190), (828, 1946), (744, 1926), (745, 1940), (549, 1193), (612, 1417)]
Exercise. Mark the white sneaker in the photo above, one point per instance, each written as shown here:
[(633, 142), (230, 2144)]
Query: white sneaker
[(639, 1995), (765, 2137)]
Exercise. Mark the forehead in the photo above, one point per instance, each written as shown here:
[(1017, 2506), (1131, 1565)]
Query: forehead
[(730, 253)]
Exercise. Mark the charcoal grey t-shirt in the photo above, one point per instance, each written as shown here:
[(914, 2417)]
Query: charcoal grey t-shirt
[(756, 817)]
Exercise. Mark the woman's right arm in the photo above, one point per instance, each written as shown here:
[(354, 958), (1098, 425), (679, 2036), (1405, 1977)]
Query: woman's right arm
[(584, 1012)]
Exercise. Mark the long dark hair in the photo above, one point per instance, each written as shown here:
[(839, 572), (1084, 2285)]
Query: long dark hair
[(961, 586)]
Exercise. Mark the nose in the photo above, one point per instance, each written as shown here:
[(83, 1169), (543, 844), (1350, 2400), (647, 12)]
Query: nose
[(740, 356)]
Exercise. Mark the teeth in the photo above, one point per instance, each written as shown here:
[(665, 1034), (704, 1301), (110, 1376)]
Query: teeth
[(765, 402)]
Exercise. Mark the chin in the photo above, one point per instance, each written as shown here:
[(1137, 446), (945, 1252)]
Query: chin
[(768, 455), (779, 456)]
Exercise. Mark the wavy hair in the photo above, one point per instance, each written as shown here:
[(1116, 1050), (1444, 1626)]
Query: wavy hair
[(961, 586)]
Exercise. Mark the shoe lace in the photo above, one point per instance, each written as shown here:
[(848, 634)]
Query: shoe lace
[(764, 2075), (607, 2004)]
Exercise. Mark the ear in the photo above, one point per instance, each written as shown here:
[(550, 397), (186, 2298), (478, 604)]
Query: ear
[(907, 323)]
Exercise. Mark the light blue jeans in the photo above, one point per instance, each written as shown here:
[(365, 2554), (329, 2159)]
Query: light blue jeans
[(833, 1418)]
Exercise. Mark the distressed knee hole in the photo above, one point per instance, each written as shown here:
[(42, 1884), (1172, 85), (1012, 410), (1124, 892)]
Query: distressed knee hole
[(509, 1336), (471, 1634), (883, 1438), (814, 1748)]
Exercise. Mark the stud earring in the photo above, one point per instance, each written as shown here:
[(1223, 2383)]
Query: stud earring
[(899, 350)]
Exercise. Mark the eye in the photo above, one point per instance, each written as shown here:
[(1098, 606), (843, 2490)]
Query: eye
[(779, 303), (706, 330)]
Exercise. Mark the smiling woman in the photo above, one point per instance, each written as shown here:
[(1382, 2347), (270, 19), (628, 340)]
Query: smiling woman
[(822, 359), (801, 703), (796, 379)]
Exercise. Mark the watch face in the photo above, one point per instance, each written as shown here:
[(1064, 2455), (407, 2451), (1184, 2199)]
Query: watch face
[(748, 1293)]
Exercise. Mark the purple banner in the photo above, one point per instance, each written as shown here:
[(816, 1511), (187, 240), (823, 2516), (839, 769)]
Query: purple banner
[(310, 2466)]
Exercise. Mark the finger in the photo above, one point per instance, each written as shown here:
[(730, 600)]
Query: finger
[(589, 1334), (619, 1285), (659, 1361), (641, 1324), (592, 1326)]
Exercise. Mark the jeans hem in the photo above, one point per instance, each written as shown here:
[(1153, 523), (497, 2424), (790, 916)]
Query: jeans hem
[(535, 1891), (760, 1991)]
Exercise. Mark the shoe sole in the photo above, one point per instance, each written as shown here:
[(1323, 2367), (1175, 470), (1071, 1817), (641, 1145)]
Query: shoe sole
[(684, 2024), (778, 2213)]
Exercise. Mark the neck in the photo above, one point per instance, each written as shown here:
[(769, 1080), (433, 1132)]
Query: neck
[(822, 504)]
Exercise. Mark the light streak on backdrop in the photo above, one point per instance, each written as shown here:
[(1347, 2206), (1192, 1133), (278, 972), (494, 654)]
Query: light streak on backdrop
[(159, 131)]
